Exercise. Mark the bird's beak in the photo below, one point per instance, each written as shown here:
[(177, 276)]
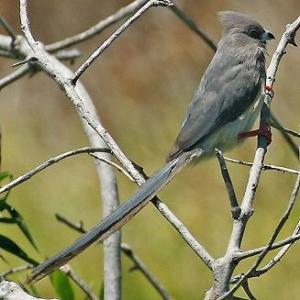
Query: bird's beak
[(267, 35)]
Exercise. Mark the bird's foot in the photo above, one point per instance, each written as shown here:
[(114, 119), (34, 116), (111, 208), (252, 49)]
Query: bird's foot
[(264, 130), (269, 91)]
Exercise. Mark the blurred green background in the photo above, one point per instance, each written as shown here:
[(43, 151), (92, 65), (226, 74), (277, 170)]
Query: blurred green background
[(141, 86)]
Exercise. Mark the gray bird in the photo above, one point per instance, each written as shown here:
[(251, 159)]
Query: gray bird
[(223, 109)]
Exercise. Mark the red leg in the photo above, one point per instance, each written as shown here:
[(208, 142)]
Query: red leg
[(264, 130), (269, 90)]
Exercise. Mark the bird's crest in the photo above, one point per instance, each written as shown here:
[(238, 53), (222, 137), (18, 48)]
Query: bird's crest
[(238, 22)]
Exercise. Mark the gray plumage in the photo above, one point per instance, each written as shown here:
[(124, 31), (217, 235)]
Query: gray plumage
[(225, 104), (233, 81)]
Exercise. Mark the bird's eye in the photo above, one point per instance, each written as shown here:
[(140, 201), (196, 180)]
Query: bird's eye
[(253, 33)]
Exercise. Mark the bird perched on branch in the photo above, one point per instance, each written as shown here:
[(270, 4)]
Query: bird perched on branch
[(222, 111)]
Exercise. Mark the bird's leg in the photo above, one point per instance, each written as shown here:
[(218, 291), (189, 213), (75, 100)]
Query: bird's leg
[(264, 130), (269, 90)]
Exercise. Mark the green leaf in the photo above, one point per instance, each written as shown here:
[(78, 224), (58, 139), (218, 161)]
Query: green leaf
[(21, 223), (2, 205), (101, 293), (62, 285), (5, 174), (8, 220), (11, 247)]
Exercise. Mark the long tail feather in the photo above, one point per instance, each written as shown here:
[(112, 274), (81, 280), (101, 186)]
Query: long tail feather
[(119, 217)]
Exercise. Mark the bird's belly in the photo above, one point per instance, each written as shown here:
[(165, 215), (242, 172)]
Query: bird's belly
[(227, 136)]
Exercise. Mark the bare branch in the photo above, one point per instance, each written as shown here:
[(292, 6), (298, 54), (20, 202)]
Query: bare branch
[(109, 41), (277, 230), (79, 282), (248, 291), (286, 243), (10, 78), (98, 28), (253, 252), (76, 226), (184, 233), (11, 291), (274, 122), (266, 167), (235, 208), (7, 54), (193, 26), (48, 163), (15, 270), (119, 168), (139, 265), (278, 256), (23, 62), (8, 29), (69, 55)]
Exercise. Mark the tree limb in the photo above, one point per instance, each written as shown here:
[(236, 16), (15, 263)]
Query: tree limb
[(11, 291), (96, 29), (47, 164), (111, 38), (235, 208), (193, 26)]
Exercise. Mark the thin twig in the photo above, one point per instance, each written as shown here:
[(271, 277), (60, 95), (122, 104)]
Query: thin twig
[(119, 168), (63, 55), (286, 244), (278, 256), (235, 208), (7, 54), (8, 29), (184, 233), (139, 265), (193, 26), (96, 29), (79, 282), (23, 62), (70, 54), (127, 250), (248, 291), (15, 270), (15, 75), (253, 252), (265, 167), (274, 122), (109, 41), (276, 232), (48, 163), (76, 226)]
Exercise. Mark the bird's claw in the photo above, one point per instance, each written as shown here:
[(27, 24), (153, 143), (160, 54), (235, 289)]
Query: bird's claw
[(269, 91)]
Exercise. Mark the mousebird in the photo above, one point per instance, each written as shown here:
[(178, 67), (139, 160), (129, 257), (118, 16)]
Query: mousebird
[(222, 112)]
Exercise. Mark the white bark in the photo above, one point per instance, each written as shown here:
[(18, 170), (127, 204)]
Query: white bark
[(11, 291)]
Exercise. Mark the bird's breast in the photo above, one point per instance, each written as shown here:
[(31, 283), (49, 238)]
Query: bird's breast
[(226, 137)]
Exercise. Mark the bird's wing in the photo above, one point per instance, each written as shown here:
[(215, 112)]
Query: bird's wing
[(227, 90)]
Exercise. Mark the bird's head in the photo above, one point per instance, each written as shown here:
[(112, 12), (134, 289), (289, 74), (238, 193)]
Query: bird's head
[(245, 27)]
